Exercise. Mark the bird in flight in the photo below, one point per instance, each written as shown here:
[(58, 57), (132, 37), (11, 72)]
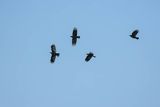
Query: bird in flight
[(134, 34), (53, 53), (74, 36), (89, 56)]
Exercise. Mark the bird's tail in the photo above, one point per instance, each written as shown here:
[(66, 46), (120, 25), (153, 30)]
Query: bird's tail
[(86, 60), (78, 37), (57, 54)]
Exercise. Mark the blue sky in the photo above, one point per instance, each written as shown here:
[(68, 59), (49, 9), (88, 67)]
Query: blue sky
[(125, 72)]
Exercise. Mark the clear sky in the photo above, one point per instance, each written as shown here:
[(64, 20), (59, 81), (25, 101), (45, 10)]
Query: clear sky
[(125, 72)]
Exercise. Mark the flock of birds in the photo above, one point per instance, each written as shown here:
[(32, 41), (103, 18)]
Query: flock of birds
[(74, 37)]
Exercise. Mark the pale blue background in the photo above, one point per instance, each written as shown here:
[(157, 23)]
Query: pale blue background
[(125, 73)]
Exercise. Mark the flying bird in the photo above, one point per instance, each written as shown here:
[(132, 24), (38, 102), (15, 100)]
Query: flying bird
[(134, 34), (53, 53), (74, 36), (89, 56)]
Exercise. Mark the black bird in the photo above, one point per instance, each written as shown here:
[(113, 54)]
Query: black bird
[(134, 34), (89, 56), (53, 53), (74, 36)]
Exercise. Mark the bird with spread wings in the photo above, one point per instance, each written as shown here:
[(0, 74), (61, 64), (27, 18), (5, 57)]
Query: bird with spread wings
[(74, 36), (134, 34), (53, 53), (89, 56)]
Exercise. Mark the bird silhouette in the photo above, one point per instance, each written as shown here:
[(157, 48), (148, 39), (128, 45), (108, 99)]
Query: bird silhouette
[(74, 36), (89, 56), (53, 53), (134, 34)]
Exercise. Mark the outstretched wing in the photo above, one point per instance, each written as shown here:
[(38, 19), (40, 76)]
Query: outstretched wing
[(74, 33), (134, 33), (53, 48), (53, 57)]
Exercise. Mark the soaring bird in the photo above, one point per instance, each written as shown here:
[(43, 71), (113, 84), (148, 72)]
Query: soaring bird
[(53, 53), (134, 34), (74, 36), (89, 56)]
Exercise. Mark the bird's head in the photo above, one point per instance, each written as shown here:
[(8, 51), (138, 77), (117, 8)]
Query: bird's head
[(91, 53), (87, 54)]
